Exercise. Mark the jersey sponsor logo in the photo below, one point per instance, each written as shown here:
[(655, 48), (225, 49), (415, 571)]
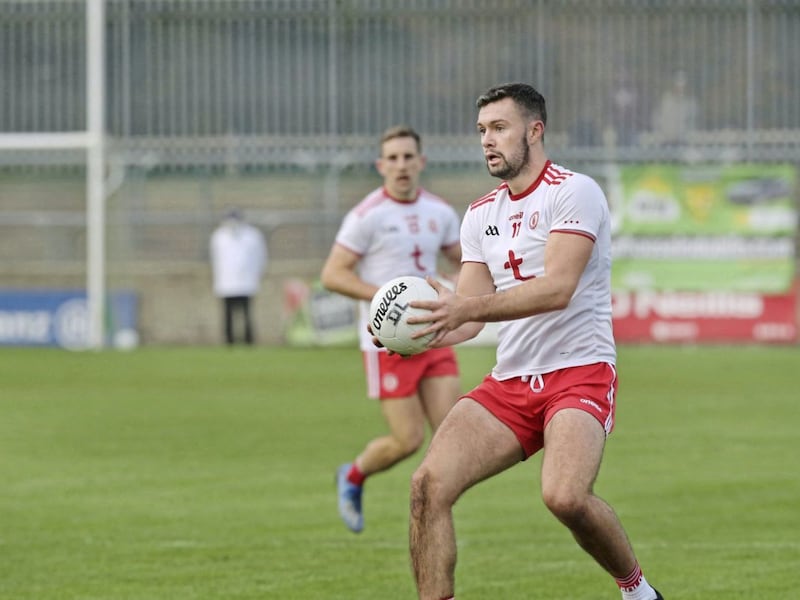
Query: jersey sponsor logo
[(534, 220), (417, 254), (492, 230), (513, 263), (412, 221)]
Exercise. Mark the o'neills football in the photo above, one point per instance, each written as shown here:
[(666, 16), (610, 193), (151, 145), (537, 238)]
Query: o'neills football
[(390, 310)]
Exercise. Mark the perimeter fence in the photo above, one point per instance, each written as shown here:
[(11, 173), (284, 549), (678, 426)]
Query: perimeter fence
[(275, 106)]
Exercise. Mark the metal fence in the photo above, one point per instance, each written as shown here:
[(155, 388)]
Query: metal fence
[(283, 82), (276, 106)]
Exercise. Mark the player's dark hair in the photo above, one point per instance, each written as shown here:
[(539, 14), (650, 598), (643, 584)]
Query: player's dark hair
[(400, 131), (525, 96)]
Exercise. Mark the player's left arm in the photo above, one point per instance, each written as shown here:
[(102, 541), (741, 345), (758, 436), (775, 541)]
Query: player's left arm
[(566, 255)]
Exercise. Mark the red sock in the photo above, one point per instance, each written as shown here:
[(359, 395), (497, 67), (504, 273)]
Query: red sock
[(355, 476), (629, 583)]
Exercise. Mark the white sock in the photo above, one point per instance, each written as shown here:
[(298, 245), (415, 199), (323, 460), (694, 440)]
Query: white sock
[(635, 586), (643, 591)]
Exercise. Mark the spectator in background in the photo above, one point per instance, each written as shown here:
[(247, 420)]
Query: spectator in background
[(238, 261), (677, 112), (625, 117), (584, 131)]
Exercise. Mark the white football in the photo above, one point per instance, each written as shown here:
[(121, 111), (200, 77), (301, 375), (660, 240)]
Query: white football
[(390, 310)]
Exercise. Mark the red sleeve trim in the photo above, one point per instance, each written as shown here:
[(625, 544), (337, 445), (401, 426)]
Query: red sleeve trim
[(574, 232), (490, 197)]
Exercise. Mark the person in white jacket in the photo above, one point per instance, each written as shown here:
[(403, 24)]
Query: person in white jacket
[(238, 262)]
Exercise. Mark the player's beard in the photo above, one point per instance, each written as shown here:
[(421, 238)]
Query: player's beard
[(514, 165)]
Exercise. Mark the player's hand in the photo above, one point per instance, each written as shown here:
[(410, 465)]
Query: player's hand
[(376, 342), (443, 315)]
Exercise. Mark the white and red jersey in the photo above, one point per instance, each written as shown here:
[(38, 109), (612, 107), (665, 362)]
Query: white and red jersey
[(394, 238), (508, 233)]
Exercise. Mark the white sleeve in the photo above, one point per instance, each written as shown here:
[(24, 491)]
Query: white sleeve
[(471, 250), (355, 233), (580, 205)]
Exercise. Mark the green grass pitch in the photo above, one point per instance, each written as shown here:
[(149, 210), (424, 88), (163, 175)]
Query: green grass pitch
[(198, 473)]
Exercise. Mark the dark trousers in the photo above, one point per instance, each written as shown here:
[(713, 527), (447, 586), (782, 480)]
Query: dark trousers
[(238, 308)]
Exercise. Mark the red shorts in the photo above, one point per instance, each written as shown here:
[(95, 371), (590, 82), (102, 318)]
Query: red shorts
[(526, 404), (395, 376)]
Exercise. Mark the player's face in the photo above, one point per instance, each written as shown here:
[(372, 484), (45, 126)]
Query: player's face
[(400, 165), (504, 138)]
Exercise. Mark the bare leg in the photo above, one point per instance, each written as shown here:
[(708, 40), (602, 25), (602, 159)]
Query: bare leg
[(406, 421), (573, 450), (439, 395), (469, 446)]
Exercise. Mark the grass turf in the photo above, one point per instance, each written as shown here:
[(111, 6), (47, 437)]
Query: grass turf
[(201, 473)]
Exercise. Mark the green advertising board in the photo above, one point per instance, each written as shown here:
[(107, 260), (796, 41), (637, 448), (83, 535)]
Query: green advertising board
[(704, 228)]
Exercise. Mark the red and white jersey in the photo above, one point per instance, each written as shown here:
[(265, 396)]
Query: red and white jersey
[(395, 238), (508, 233)]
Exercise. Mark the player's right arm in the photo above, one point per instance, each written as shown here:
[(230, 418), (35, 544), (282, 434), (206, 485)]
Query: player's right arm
[(339, 275)]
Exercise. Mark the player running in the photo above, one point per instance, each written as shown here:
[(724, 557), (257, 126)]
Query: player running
[(398, 229)]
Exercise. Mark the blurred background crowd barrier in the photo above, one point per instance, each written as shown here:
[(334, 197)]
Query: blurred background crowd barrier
[(688, 113)]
